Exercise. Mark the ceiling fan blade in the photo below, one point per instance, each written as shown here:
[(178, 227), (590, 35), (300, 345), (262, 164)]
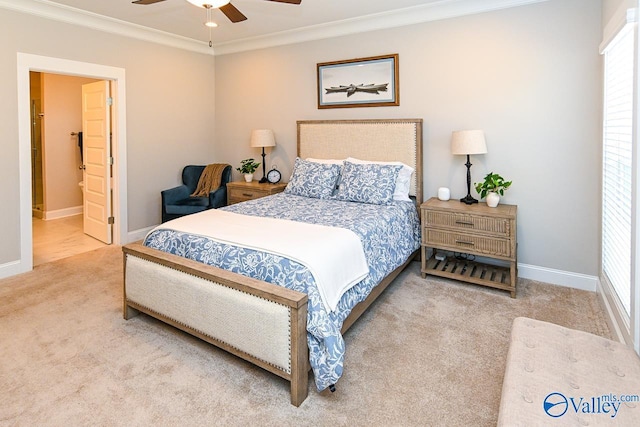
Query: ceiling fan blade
[(288, 1), (146, 1), (232, 13)]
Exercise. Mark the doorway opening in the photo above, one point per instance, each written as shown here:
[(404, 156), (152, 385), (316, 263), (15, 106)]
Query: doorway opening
[(57, 166), (116, 76)]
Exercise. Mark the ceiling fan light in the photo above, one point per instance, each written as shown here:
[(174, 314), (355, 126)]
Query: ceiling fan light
[(210, 24), (212, 3)]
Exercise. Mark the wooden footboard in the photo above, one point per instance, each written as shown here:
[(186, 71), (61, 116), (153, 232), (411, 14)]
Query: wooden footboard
[(260, 322)]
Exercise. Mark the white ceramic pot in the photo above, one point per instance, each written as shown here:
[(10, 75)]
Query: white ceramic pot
[(493, 199), (248, 177)]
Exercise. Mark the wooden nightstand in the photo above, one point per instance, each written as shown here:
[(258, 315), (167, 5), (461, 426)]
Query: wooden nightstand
[(240, 191), (453, 227)]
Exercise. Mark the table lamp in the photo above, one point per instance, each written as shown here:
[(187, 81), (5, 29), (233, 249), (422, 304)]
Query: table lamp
[(263, 138), (466, 142)]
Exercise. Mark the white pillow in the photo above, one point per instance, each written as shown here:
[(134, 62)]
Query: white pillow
[(403, 182)]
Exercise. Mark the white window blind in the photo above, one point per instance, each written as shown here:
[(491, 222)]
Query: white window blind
[(617, 164)]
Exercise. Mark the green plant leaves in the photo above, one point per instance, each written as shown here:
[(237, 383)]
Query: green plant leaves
[(247, 166), (493, 183)]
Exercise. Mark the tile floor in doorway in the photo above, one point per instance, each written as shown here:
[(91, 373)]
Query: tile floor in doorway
[(60, 238)]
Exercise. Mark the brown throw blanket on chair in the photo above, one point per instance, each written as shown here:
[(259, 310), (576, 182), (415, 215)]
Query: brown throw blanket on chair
[(210, 179)]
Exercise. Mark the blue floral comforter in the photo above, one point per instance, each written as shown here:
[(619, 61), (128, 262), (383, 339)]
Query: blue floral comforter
[(389, 234)]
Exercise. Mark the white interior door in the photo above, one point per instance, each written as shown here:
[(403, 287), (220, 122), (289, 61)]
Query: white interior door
[(96, 128)]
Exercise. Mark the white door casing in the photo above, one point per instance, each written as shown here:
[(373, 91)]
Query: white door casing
[(28, 62)]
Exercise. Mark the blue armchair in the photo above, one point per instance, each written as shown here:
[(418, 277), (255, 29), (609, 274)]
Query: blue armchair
[(176, 202)]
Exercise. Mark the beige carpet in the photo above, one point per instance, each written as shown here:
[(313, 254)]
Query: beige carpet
[(429, 352)]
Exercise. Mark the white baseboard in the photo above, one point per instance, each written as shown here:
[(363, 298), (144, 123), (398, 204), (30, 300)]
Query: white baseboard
[(577, 281), (612, 322), (526, 271), (11, 268), (140, 234), (558, 277), (62, 213)]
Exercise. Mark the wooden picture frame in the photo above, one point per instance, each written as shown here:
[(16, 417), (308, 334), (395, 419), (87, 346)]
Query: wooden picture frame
[(360, 82)]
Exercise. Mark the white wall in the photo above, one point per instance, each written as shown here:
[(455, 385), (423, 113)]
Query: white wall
[(529, 76), (169, 111)]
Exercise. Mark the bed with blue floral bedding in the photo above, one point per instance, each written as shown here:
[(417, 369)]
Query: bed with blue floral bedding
[(357, 179), (390, 233)]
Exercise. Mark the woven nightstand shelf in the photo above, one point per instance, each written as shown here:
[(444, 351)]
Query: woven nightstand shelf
[(470, 271), (475, 230)]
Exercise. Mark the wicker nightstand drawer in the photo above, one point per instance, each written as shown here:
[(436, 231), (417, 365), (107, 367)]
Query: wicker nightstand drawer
[(242, 191), (457, 221), (467, 243), (461, 232), (240, 195)]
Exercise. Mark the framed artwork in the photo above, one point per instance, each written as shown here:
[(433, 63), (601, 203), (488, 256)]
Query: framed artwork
[(361, 82)]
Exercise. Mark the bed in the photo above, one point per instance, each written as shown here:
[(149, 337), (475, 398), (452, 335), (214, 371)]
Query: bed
[(284, 330)]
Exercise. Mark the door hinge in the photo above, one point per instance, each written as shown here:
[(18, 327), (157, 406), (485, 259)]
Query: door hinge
[(111, 161), (109, 101), (111, 220)]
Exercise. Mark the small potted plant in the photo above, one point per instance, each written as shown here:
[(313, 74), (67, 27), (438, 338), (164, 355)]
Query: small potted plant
[(492, 188), (247, 168)]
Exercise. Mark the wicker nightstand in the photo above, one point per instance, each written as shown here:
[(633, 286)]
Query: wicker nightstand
[(457, 228), (240, 191)]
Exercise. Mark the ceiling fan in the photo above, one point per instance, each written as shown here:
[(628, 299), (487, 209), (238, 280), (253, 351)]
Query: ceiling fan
[(225, 6)]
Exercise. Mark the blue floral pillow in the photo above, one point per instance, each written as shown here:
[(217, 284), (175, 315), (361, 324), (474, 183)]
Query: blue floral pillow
[(368, 183), (310, 179)]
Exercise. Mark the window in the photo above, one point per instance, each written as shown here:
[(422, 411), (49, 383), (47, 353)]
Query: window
[(617, 169)]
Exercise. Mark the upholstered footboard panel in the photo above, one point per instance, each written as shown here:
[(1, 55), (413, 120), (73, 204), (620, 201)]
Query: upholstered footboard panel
[(246, 322), (241, 315)]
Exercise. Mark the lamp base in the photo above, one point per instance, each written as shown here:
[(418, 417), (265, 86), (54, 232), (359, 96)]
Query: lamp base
[(264, 169), (468, 200)]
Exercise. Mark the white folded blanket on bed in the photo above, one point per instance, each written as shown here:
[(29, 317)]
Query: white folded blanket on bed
[(333, 255)]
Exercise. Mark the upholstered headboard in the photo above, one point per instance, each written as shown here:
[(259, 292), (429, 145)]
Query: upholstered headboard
[(376, 140)]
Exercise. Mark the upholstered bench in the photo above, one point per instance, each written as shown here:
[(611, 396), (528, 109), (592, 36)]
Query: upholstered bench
[(559, 376)]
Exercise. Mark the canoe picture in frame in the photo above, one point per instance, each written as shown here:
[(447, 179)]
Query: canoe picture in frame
[(361, 82)]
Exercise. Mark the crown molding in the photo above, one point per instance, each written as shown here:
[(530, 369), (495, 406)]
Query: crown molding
[(443, 9), (71, 15), (438, 10)]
